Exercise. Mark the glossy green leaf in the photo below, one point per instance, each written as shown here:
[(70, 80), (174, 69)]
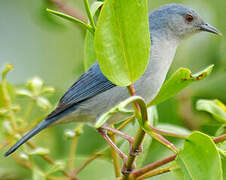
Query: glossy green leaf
[(178, 81), (89, 51), (122, 40), (199, 159), (214, 107)]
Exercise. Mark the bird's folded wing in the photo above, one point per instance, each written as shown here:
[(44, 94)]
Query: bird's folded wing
[(90, 84)]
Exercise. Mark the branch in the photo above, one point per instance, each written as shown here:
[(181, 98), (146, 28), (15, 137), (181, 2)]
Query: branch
[(138, 139), (153, 165), (159, 163), (154, 173)]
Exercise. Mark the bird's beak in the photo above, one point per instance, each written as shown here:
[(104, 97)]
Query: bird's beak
[(209, 28)]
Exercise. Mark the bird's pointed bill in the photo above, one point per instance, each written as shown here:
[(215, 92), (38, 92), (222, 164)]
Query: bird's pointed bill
[(211, 29)]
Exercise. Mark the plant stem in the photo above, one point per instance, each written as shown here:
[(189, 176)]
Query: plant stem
[(126, 122), (68, 10), (219, 138), (72, 19), (72, 152), (163, 141), (90, 159), (47, 158), (29, 109), (89, 14), (154, 173), (153, 165), (115, 156), (138, 138), (159, 163)]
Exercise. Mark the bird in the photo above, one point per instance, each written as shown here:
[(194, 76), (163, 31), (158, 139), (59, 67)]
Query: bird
[(93, 94)]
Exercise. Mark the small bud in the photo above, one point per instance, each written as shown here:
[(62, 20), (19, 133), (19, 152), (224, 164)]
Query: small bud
[(78, 131), (5, 71), (35, 85), (24, 156), (7, 126), (69, 134)]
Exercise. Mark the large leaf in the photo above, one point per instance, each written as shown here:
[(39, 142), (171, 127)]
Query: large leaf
[(122, 40), (199, 159), (178, 81), (214, 107)]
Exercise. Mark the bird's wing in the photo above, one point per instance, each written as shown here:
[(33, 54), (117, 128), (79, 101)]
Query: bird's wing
[(90, 84)]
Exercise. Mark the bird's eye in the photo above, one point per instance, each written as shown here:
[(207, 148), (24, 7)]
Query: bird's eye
[(189, 18)]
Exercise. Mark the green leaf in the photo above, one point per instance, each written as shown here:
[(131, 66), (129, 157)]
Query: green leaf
[(70, 18), (178, 81), (199, 159), (89, 51), (214, 107), (122, 40)]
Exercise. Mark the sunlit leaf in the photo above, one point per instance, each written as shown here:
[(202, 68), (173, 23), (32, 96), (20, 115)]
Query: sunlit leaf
[(199, 159), (178, 81), (214, 107), (122, 40)]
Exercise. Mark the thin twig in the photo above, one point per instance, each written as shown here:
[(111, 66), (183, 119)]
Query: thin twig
[(153, 165), (114, 156), (68, 10), (159, 163), (72, 152), (154, 173), (47, 158), (125, 123), (219, 138), (90, 159)]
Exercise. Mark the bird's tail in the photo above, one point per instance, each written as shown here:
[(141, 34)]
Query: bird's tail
[(30, 134)]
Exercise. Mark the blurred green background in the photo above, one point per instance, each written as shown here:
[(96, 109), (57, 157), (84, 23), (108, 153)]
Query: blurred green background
[(38, 44)]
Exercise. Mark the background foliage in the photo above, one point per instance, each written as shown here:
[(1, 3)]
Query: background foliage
[(38, 44)]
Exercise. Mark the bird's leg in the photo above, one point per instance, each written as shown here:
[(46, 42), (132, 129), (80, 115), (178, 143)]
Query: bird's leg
[(103, 132), (130, 139)]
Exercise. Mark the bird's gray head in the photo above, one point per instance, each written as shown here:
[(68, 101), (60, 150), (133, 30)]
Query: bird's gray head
[(179, 21)]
